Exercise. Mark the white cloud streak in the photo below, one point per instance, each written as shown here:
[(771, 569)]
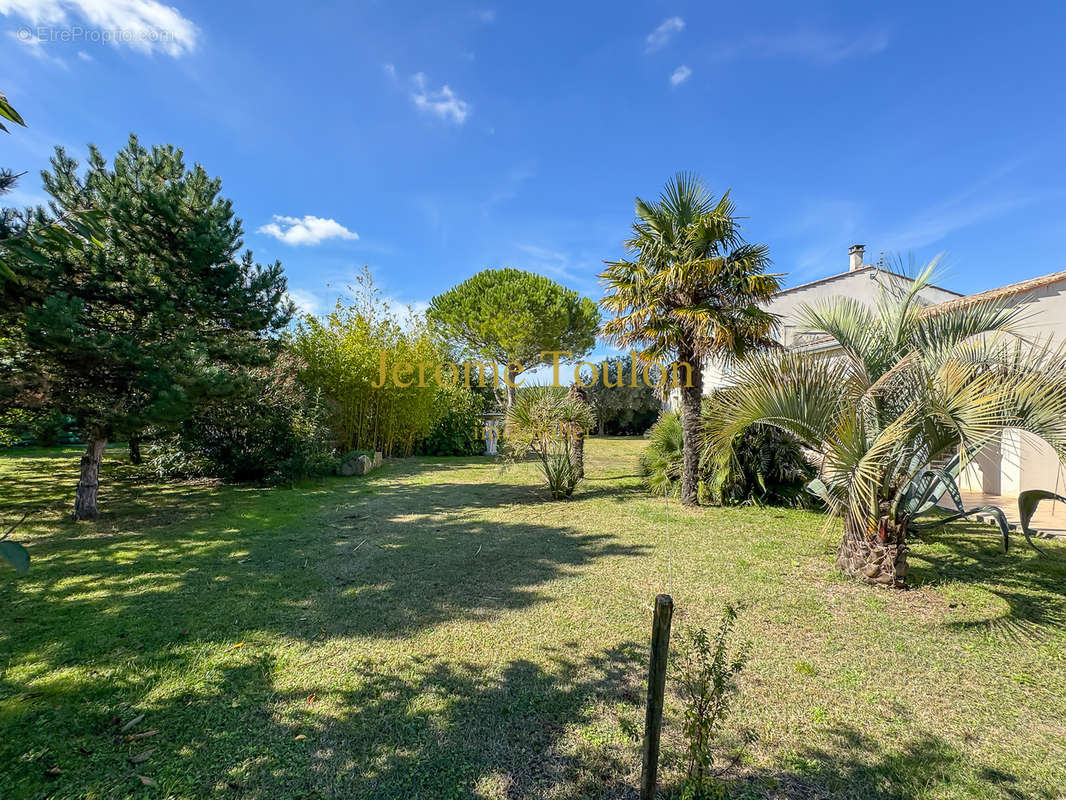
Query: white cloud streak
[(306, 302), (442, 102), (680, 75), (147, 26), (661, 36), (308, 230), (807, 45)]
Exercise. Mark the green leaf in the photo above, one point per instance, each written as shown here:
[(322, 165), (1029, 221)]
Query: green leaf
[(7, 112), (16, 555)]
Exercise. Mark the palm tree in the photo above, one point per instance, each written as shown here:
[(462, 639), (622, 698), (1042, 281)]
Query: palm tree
[(691, 289), (910, 385)]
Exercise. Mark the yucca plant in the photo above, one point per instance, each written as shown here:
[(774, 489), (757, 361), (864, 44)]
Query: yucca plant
[(547, 421), (909, 385), (690, 289)]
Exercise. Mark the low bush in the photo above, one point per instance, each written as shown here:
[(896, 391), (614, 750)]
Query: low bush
[(458, 429), (40, 428), (546, 421), (706, 670), (274, 432), (660, 462), (623, 409), (767, 466)]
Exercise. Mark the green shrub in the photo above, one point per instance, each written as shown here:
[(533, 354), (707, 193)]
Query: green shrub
[(41, 428), (706, 672), (621, 408), (274, 432), (660, 462), (458, 429), (767, 466)]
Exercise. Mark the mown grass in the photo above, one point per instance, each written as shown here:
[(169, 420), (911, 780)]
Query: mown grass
[(438, 630)]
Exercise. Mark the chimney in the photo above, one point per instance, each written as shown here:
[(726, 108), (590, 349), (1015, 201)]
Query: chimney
[(855, 253)]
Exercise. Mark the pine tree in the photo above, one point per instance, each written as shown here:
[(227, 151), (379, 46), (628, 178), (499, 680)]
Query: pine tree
[(157, 320)]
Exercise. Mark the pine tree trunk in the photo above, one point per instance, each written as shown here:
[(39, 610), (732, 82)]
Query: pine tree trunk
[(691, 404), (877, 557), (512, 390), (89, 484), (135, 450)]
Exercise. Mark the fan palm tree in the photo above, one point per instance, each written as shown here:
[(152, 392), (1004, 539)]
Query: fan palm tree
[(909, 385), (691, 288)]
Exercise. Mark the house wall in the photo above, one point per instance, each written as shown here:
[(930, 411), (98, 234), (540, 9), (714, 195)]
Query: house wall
[(1022, 461), (1019, 460), (864, 285)]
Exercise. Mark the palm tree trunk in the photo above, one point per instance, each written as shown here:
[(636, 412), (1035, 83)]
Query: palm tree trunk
[(578, 394), (691, 403), (89, 482), (877, 557)]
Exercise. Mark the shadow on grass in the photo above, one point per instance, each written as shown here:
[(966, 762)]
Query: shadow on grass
[(1030, 586), (184, 580), (433, 729), (854, 766), (225, 583)]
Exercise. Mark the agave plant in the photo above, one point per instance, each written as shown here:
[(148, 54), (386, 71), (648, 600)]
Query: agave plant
[(908, 386), (548, 422), (939, 483)]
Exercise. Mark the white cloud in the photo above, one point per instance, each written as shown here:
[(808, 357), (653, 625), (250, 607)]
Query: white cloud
[(144, 25), (443, 102), (306, 302), (487, 15), (390, 70), (306, 230), (680, 75), (84, 56), (818, 46), (36, 49), (559, 265), (661, 36), (405, 312)]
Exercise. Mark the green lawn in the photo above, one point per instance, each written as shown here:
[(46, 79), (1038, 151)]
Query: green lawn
[(437, 629)]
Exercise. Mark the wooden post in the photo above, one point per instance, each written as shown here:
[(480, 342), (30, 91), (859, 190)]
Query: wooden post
[(653, 719)]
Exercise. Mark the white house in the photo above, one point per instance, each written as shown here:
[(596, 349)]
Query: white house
[(1020, 461)]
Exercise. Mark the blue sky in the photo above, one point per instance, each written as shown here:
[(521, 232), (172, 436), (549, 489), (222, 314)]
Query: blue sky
[(432, 141)]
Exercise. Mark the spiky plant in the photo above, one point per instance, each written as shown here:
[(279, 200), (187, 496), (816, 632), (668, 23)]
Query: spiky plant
[(691, 288), (906, 386), (767, 467), (543, 420), (660, 462)]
